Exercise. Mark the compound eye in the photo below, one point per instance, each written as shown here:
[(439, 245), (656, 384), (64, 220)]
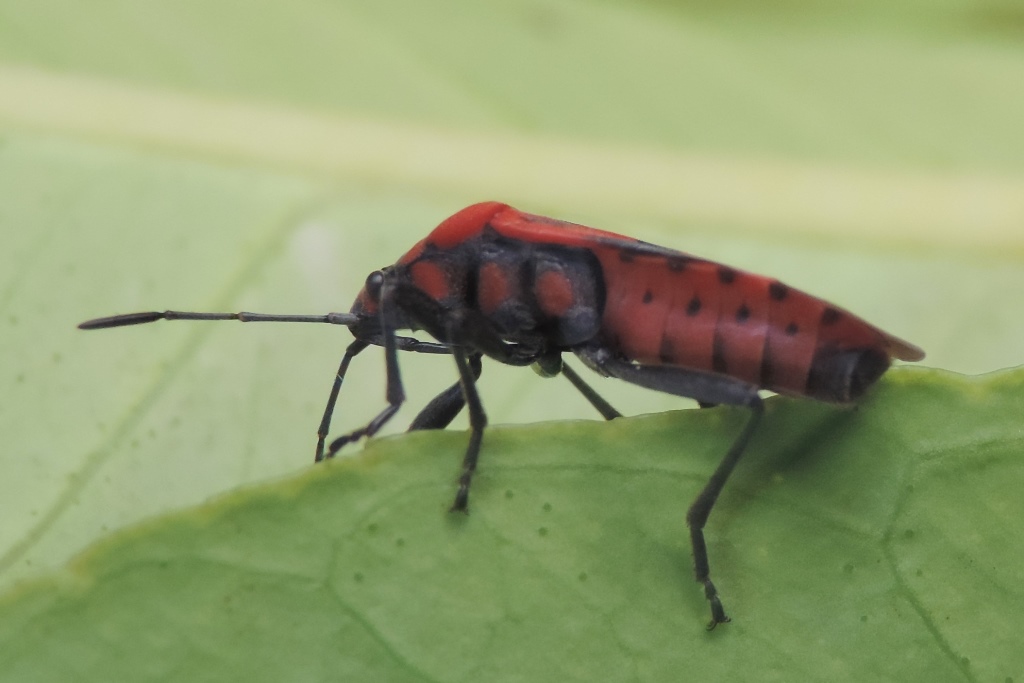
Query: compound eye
[(374, 282)]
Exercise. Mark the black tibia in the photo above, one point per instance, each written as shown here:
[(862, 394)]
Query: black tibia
[(325, 422), (440, 412), (477, 423), (401, 344), (395, 393), (705, 387), (595, 399), (700, 509), (468, 336)]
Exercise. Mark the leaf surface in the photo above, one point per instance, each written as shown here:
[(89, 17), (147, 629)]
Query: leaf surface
[(851, 543)]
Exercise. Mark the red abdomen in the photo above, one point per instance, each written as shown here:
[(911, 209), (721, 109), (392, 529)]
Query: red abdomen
[(703, 315)]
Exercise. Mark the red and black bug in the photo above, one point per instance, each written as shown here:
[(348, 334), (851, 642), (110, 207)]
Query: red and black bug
[(523, 289)]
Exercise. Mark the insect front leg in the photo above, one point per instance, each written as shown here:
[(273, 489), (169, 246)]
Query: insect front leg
[(705, 387), (395, 393), (409, 344), (325, 422)]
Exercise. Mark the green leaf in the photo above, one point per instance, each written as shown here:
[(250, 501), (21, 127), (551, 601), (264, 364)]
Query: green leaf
[(878, 542)]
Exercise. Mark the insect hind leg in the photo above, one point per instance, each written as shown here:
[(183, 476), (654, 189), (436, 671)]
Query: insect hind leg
[(595, 399), (700, 510), (551, 364), (705, 387)]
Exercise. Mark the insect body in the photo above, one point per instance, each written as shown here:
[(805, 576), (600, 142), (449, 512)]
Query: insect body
[(523, 289)]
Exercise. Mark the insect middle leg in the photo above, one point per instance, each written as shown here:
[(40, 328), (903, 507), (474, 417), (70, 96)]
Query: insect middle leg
[(409, 344), (469, 372), (705, 387), (469, 335), (444, 407), (477, 423)]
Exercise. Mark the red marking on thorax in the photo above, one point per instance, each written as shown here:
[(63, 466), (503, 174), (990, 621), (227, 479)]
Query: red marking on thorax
[(493, 287), (365, 304), (431, 278), (554, 293)]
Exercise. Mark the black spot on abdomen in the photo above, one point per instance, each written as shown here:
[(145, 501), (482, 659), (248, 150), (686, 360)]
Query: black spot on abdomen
[(778, 291)]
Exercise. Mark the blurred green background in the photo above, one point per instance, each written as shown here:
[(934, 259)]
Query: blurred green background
[(267, 155)]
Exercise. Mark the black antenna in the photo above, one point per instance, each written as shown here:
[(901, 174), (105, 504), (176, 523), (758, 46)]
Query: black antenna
[(391, 343), (402, 343), (152, 316)]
